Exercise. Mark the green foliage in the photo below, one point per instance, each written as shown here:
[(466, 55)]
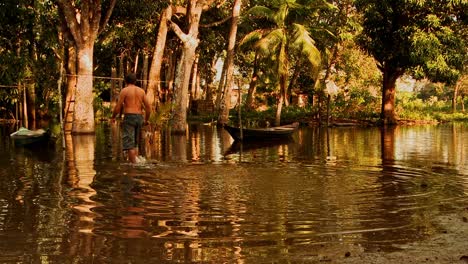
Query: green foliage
[(162, 115), (102, 109), (357, 103), (410, 106), (420, 35)]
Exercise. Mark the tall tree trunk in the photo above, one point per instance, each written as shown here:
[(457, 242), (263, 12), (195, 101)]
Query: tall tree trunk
[(190, 43), (144, 74), (281, 99), (253, 85), (154, 84), (211, 72), (170, 76), (221, 86), (455, 95), (388, 115), (293, 80), (83, 113), (114, 93), (31, 101), (84, 22), (182, 81), (224, 115), (194, 84)]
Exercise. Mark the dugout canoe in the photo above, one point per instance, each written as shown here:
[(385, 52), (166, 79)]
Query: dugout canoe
[(278, 132)]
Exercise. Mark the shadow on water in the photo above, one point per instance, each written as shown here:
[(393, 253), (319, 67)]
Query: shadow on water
[(201, 197)]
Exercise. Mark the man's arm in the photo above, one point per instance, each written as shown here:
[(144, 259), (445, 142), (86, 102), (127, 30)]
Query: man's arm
[(119, 104)]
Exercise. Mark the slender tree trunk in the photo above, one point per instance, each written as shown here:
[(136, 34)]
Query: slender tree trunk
[(293, 80), (194, 87), (144, 74), (388, 115), (221, 87), (114, 92), (279, 108), (121, 71), (463, 103), (281, 99), (25, 106), (455, 96), (253, 85), (209, 80), (31, 100), (170, 76), (224, 116), (154, 84)]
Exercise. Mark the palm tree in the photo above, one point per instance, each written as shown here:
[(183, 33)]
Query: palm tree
[(281, 38)]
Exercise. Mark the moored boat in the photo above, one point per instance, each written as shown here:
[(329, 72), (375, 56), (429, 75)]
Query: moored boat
[(26, 137), (279, 132)]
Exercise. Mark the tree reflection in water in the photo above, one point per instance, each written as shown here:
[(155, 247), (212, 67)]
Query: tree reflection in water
[(195, 201)]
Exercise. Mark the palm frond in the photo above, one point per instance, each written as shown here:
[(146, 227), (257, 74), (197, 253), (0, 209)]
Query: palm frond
[(249, 40), (302, 41), (270, 43), (262, 11)]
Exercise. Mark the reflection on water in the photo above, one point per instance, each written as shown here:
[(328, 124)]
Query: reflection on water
[(203, 198)]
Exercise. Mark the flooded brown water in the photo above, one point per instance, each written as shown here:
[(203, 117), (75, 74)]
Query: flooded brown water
[(199, 198)]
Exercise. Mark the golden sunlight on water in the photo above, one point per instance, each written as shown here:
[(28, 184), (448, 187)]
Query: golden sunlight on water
[(80, 162), (203, 198)]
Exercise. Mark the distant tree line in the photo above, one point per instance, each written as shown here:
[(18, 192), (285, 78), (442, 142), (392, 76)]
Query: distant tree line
[(276, 50)]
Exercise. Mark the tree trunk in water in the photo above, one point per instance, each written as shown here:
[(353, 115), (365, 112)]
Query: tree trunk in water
[(279, 108), (388, 115), (455, 95), (84, 22), (154, 84), (252, 86), (71, 88), (190, 43), (224, 115), (282, 84), (179, 122), (83, 112)]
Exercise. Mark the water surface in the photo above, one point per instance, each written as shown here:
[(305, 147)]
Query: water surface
[(201, 198)]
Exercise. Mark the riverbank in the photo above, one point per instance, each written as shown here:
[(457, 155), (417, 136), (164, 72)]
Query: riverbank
[(449, 246)]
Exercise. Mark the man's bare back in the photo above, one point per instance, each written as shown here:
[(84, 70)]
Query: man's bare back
[(133, 99)]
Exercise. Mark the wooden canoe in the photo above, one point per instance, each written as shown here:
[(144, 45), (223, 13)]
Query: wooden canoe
[(279, 132)]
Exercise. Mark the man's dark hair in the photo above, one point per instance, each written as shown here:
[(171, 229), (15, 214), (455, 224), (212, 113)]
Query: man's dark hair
[(130, 78)]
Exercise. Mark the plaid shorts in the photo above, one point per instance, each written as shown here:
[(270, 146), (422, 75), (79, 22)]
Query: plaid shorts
[(132, 124)]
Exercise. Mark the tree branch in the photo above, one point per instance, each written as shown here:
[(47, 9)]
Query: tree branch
[(68, 11), (217, 23), (106, 17)]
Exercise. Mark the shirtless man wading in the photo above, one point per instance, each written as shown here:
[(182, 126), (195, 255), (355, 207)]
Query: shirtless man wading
[(133, 100)]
